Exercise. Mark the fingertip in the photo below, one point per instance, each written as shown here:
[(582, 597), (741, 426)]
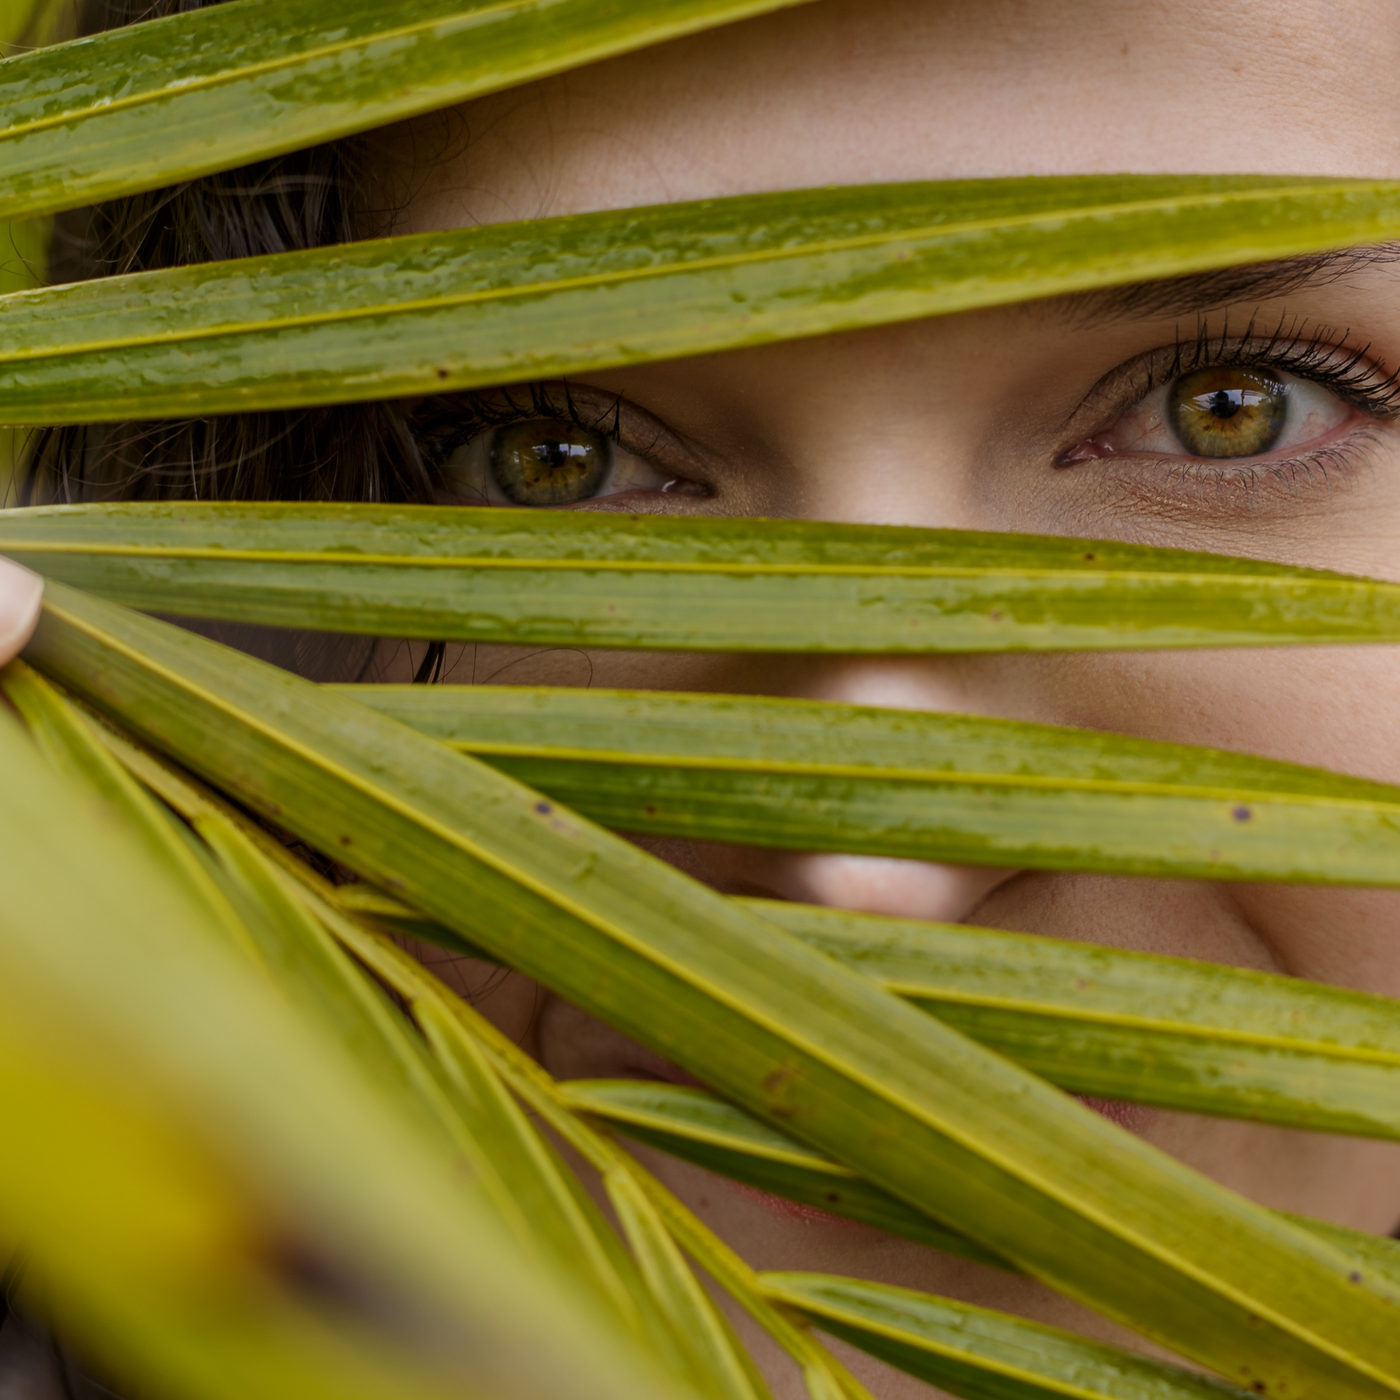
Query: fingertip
[(21, 598)]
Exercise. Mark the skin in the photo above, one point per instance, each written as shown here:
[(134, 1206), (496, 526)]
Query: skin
[(21, 594), (967, 421), (961, 422)]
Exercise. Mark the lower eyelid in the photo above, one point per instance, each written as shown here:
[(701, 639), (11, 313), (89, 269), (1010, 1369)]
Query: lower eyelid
[(1241, 488), (633, 473)]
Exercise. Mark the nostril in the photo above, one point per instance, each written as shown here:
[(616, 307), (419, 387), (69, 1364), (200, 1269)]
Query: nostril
[(910, 889)]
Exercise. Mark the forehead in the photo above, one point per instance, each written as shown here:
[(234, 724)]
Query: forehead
[(855, 91)]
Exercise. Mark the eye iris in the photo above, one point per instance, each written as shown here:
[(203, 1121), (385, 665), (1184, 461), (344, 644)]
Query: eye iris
[(548, 463), (1228, 412)]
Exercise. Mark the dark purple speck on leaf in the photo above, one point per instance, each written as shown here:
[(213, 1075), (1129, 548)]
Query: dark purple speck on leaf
[(1241, 814), (543, 808)]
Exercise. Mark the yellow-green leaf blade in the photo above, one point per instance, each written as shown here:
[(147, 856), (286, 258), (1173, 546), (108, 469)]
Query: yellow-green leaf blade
[(702, 1129), (976, 1352), (698, 1127), (172, 99), (191, 1149), (431, 313), (1105, 1021), (780, 1028), (553, 578), (807, 775)]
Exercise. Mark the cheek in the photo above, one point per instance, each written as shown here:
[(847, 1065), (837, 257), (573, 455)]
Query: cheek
[(1349, 938), (1326, 707), (1336, 708)]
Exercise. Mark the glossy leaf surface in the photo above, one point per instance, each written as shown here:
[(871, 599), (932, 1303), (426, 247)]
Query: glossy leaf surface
[(191, 1150), (698, 1127), (812, 776), (552, 578), (1118, 1024), (915, 1107), (157, 103), (430, 313), (975, 1352)]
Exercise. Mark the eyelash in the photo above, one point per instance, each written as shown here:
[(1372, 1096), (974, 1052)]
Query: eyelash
[(1343, 370), (1334, 365), (471, 413)]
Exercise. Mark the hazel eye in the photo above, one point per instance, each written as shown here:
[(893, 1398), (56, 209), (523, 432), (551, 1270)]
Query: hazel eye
[(545, 462), (1223, 412), (548, 463), (1227, 412)]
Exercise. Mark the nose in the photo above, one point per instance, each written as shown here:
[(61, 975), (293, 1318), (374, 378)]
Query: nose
[(913, 889), (909, 889)]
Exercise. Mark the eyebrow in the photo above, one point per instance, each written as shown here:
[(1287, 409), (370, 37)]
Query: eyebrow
[(1178, 296)]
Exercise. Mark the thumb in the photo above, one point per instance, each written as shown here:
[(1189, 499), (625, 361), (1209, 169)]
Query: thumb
[(21, 594)]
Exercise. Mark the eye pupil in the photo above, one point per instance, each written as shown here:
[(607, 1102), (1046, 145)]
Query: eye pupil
[(1228, 411), (553, 455), (1224, 404)]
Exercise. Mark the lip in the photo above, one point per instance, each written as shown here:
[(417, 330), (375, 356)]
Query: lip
[(792, 1210), (1131, 1117)]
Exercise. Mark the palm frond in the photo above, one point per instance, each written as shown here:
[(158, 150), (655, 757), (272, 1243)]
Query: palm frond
[(197, 1186), (430, 313), (172, 99), (267, 1152), (947, 1126), (547, 578), (805, 775)]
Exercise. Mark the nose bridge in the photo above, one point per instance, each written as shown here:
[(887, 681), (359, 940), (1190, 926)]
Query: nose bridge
[(907, 889), (992, 685), (903, 888), (937, 683)]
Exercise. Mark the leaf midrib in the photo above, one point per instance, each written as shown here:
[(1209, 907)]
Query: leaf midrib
[(687, 267), (939, 776), (1111, 1226), (1195, 578)]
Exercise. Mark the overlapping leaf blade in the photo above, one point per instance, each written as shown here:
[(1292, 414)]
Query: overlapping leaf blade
[(157, 103), (534, 1194), (551, 578), (971, 1344), (935, 1338), (912, 1105), (193, 1157), (811, 776), (458, 1032), (430, 313), (696, 1126), (1118, 1024), (981, 1354)]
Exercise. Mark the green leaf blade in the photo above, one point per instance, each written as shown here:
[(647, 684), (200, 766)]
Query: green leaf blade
[(915, 1107), (980, 1354), (439, 312), (177, 1120), (805, 775), (176, 98), (1168, 1031), (726, 584)]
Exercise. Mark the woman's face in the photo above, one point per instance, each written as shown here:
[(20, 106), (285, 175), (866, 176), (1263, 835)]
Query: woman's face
[(1249, 413)]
